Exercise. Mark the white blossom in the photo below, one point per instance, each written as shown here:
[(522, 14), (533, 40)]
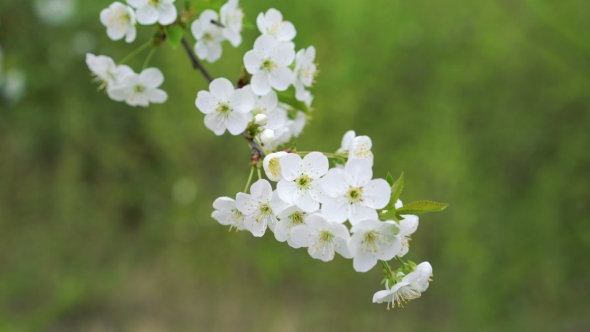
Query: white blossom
[(120, 22), (411, 287), (356, 146), (105, 69), (272, 165), (152, 11), (305, 71), (322, 238), (272, 24), (350, 193), (225, 107), (268, 63), (267, 136), (267, 105), (260, 207), (407, 226), (140, 89), (291, 217), (231, 19), (301, 180), (209, 36), (260, 119), (227, 213), (373, 240)]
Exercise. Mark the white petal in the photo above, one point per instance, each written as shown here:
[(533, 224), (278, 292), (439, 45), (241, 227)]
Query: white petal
[(341, 247), (147, 15), (265, 44), (156, 96), (234, 37), (358, 213), (376, 193), (382, 296), (364, 261), (197, 29), (290, 166), (335, 210), (261, 190), (277, 204), (237, 123), (224, 203), (305, 202), (282, 230), (167, 14), (261, 23), (246, 204), (286, 190), (256, 227), (347, 141), (221, 88), (222, 217), (116, 32), (137, 3), (260, 84), (215, 51), (334, 183), (201, 49), (283, 54), (213, 122), (286, 31), (205, 102), (303, 235), (281, 78), (409, 224), (131, 34), (242, 101), (315, 164), (151, 77), (360, 170), (252, 62)]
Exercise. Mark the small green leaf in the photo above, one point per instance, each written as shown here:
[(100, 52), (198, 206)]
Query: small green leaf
[(174, 35), (389, 215), (421, 207), (389, 179)]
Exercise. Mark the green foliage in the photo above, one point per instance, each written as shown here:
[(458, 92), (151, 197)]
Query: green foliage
[(174, 35), (420, 207)]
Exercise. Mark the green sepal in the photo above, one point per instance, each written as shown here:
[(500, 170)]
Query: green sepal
[(390, 179), (420, 207), (396, 190), (412, 265), (174, 35)]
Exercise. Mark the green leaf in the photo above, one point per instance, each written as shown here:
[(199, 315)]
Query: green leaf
[(389, 179), (174, 35), (420, 207), (396, 190), (288, 97)]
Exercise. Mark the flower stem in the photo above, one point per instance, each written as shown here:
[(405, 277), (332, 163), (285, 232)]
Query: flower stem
[(195, 61), (401, 262), (259, 173), (135, 52), (149, 57), (387, 269), (249, 179)]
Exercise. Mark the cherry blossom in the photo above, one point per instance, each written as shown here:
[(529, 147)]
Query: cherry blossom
[(225, 107), (227, 213), (300, 184), (152, 11), (350, 193), (305, 71), (272, 24), (373, 240), (120, 22), (411, 287), (209, 36), (140, 89), (231, 19), (322, 238), (268, 63), (260, 207)]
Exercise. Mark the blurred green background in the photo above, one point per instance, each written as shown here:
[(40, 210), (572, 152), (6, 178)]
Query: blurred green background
[(105, 209)]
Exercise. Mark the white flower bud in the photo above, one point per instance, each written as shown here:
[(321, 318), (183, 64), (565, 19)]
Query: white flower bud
[(261, 119), (267, 136)]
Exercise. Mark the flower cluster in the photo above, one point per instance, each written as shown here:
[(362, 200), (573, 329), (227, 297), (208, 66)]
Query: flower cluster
[(312, 203), (326, 202)]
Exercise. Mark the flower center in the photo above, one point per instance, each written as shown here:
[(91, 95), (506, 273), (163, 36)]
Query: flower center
[(265, 209), (139, 88), (275, 167), (325, 236), (154, 2), (296, 218), (303, 182), (268, 65), (354, 195), (224, 108), (371, 241), (208, 36)]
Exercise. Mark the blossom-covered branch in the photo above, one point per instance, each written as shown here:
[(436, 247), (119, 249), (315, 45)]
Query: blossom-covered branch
[(327, 202)]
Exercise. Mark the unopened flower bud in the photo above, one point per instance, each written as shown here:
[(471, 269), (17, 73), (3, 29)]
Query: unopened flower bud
[(267, 136), (261, 119)]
